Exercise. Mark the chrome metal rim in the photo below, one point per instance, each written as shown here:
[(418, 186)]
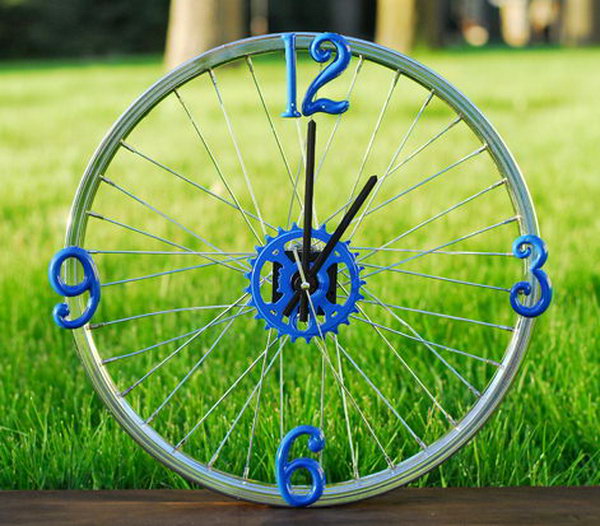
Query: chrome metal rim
[(409, 469)]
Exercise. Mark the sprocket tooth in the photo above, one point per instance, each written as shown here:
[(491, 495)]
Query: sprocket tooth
[(248, 275), (294, 225), (280, 230), (258, 248)]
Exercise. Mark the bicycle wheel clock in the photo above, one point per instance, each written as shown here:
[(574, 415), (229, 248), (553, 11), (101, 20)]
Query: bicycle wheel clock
[(349, 201)]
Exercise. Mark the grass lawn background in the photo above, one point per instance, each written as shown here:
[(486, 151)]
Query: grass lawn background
[(54, 431)]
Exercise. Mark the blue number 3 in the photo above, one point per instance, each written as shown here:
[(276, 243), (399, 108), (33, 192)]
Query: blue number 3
[(333, 70), (522, 248), (284, 469), (90, 283)]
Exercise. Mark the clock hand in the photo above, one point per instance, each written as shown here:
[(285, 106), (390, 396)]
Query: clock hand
[(333, 240), (308, 209)]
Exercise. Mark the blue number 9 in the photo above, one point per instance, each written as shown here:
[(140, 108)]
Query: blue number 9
[(523, 247), (285, 469), (89, 283)]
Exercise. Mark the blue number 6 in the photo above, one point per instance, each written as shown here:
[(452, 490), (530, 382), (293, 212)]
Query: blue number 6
[(284, 469), (522, 248), (90, 283), (333, 70)]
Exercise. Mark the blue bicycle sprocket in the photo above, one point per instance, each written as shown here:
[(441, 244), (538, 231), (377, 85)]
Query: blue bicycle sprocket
[(274, 267)]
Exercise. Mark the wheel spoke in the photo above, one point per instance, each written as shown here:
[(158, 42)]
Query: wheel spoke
[(382, 397), (322, 402), (186, 343), (274, 130), (402, 163), (291, 205), (159, 212), (439, 278), (338, 118), (203, 188), (408, 190), (187, 376), (101, 324), (168, 272), (170, 253), (438, 345), (422, 340), (237, 149), (281, 404), (410, 370), (429, 142), (443, 245), (368, 425), (374, 133), (256, 408), (431, 219), (158, 238), (170, 340), (243, 409), (325, 354), (442, 315), (353, 454), (223, 397), (392, 161), (444, 252), (101, 217), (218, 169)]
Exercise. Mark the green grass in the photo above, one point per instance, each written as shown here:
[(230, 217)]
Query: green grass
[(54, 432)]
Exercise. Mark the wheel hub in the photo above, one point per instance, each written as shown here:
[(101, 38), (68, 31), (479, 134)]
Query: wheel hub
[(275, 279)]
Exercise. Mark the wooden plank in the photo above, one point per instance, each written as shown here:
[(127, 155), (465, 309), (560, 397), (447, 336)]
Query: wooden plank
[(498, 506)]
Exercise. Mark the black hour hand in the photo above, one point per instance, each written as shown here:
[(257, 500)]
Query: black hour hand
[(333, 240)]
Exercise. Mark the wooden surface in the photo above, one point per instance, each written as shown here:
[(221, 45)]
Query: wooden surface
[(522, 506)]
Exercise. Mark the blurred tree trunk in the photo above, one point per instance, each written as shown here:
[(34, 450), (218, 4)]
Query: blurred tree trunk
[(259, 17), (516, 29), (395, 24), (347, 19), (432, 17), (581, 22), (198, 25)]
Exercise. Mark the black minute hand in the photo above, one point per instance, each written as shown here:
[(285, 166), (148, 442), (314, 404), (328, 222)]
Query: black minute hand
[(308, 209), (337, 235)]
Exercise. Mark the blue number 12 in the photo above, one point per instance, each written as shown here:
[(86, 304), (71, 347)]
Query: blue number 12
[(333, 70)]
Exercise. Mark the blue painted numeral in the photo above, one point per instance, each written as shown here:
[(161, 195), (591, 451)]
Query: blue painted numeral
[(289, 40), (524, 247), (89, 283), (285, 469), (319, 53)]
